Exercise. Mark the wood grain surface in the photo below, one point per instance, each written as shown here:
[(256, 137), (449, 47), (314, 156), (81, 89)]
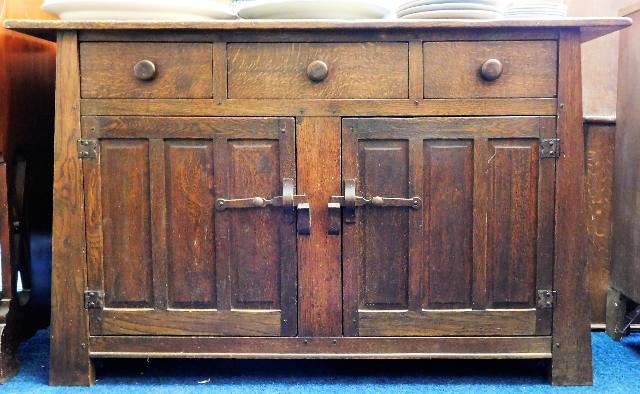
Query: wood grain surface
[(355, 70)]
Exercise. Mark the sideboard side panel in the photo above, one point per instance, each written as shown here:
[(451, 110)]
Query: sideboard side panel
[(571, 333), (70, 363)]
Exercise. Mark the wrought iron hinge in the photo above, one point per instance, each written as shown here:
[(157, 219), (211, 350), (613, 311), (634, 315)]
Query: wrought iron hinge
[(550, 148), (93, 299), (87, 149), (546, 298)]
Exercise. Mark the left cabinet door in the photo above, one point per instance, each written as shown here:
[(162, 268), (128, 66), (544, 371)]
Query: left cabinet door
[(161, 258)]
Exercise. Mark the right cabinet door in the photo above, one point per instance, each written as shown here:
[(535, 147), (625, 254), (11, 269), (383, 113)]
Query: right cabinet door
[(447, 226)]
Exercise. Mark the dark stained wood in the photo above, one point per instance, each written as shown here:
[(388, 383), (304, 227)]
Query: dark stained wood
[(616, 312), (590, 28), (191, 277), (179, 267), (394, 263), (126, 257), (625, 266), (27, 84), (186, 323), (530, 69), (180, 70), (330, 347), (571, 334), (448, 182), (354, 70), (448, 323), (322, 108), (600, 142), (493, 226), (511, 264), (319, 254), (69, 359)]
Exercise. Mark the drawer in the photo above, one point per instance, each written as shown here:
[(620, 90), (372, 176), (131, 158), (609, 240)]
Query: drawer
[(372, 70), (454, 69), (146, 70)]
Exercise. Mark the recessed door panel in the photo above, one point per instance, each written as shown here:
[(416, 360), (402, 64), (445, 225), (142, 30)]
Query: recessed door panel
[(470, 254), (169, 248)]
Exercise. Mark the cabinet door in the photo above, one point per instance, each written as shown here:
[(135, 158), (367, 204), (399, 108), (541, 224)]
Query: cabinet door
[(163, 259), (470, 247)]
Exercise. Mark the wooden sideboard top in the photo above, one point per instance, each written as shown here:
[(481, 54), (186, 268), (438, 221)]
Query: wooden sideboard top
[(590, 27)]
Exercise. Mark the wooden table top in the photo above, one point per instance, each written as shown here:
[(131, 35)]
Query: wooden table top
[(590, 27)]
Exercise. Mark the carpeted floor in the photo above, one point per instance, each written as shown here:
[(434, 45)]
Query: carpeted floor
[(616, 370)]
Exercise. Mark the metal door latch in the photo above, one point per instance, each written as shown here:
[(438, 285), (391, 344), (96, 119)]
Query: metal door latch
[(348, 203), (289, 201)]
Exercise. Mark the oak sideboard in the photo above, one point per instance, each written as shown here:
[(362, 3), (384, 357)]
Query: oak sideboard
[(269, 189)]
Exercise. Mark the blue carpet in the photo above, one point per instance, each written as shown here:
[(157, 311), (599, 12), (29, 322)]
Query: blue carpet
[(616, 367)]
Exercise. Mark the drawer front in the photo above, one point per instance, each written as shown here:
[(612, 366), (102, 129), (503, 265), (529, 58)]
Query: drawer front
[(341, 71), (454, 69), (146, 70)]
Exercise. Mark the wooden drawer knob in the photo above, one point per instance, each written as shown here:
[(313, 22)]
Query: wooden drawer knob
[(491, 70), (317, 71), (145, 70)]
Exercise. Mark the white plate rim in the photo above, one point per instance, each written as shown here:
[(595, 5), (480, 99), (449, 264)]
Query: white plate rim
[(448, 6), (265, 9), (415, 3), (454, 14), (203, 8)]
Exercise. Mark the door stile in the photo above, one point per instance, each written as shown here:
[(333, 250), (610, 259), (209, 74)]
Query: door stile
[(481, 193), (546, 222), (351, 237), (288, 242), (158, 222), (221, 225), (93, 224), (416, 223)]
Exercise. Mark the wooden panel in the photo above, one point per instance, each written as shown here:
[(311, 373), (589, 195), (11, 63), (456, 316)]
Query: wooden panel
[(186, 322), (283, 107), (384, 167), (625, 268), (589, 27), (330, 347), (572, 363), (319, 254), (355, 70), (183, 70), (529, 69), (513, 222), (190, 208), (254, 170), (70, 363), (126, 223), (600, 140), (448, 323), (448, 218)]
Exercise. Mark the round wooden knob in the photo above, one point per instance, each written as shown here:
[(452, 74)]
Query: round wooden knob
[(491, 70), (317, 71), (144, 70)]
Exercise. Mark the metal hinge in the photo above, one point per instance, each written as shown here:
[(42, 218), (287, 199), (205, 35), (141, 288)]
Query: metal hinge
[(550, 148), (87, 149), (546, 298), (93, 299)]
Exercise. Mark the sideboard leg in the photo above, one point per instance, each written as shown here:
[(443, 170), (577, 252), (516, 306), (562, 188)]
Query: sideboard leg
[(70, 364), (571, 342), (616, 309)]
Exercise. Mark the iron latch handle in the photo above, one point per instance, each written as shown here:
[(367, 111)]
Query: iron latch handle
[(289, 201), (348, 203)]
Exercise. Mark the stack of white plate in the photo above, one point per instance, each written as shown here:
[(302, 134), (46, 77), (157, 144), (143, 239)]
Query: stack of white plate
[(450, 9), (313, 9), (536, 9), (165, 10)]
